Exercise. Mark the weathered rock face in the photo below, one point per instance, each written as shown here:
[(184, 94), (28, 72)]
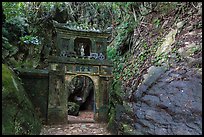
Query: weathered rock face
[(18, 114), (164, 100), (170, 105)]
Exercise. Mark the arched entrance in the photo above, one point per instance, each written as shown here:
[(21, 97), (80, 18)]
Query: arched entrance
[(80, 99), (94, 94)]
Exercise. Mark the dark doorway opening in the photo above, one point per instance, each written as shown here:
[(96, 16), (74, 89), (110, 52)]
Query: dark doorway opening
[(89, 103), (81, 102)]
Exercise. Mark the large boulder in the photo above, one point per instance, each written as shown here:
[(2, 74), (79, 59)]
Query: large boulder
[(18, 114), (171, 105), (73, 108)]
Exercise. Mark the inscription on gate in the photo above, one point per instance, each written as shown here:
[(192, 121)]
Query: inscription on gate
[(82, 69)]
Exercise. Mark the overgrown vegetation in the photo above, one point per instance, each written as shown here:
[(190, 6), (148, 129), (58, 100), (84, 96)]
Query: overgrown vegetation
[(138, 30), (133, 56)]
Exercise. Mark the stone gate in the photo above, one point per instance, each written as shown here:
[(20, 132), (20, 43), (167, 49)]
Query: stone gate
[(78, 53)]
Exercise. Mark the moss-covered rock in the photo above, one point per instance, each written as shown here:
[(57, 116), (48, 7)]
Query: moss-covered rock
[(73, 108), (169, 40), (18, 115), (128, 130), (115, 107), (112, 124)]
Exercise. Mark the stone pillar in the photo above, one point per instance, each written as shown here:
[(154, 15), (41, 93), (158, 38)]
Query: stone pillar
[(96, 96), (104, 99), (58, 44), (71, 45), (93, 46), (105, 49), (57, 98)]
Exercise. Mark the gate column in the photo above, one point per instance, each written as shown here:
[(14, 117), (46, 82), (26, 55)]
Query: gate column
[(57, 100)]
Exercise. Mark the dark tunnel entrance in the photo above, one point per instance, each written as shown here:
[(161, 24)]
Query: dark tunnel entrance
[(81, 102)]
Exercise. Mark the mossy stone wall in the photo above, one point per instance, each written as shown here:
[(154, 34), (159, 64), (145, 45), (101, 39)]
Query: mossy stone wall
[(35, 83)]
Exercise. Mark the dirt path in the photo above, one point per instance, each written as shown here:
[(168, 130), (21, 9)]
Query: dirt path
[(75, 129), (78, 125)]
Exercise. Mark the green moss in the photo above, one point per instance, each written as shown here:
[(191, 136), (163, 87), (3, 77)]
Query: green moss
[(73, 108), (18, 115), (7, 79), (111, 52), (112, 125), (7, 123), (128, 130)]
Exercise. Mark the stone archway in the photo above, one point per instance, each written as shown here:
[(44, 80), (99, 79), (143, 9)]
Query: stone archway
[(60, 77), (95, 80), (80, 99)]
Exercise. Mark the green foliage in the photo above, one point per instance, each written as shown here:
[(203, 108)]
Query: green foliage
[(116, 95), (194, 49), (30, 40), (15, 14), (7, 79), (128, 130), (34, 20), (7, 49), (166, 7), (18, 128), (27, 64), (111, 53), (156, 22), (13, 10), (112, 123), (73, 108), (117, 87)]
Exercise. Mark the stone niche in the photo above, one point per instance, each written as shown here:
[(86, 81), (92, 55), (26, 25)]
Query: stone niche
[(78, 53), (81, 44)]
